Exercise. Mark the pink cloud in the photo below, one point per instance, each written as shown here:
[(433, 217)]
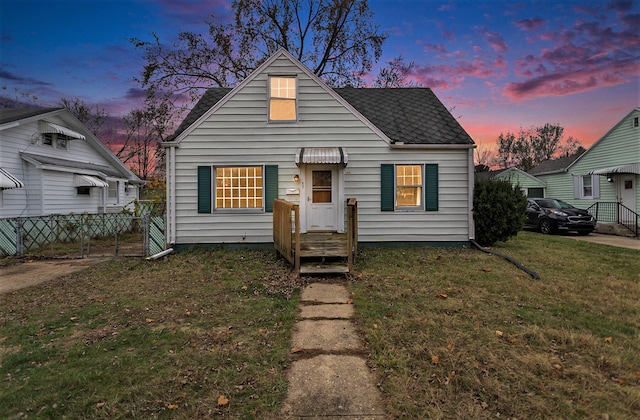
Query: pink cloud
[(586, 57)]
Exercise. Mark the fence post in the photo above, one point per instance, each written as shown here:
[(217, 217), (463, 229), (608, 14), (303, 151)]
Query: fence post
[(146, 221), (19, 244)]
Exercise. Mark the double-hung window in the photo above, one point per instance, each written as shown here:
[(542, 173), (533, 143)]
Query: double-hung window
[(282, 98), (409, 187), (586, 186)]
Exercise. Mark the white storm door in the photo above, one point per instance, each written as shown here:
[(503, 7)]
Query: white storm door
[(628, 191), (322, 198)]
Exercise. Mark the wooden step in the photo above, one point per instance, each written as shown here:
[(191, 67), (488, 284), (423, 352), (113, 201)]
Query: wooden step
[(329, 267)]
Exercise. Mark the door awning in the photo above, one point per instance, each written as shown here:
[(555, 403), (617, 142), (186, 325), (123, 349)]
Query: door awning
[(89, 181), (8, 181), (321, 155), (631, 168), (47, 127)]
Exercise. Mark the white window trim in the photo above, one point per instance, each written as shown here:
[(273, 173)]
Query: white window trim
[(214, 192), (297, 94), (421, 207)]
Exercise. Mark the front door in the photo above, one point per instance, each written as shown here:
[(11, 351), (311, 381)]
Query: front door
[(322, 198), (627, 191)]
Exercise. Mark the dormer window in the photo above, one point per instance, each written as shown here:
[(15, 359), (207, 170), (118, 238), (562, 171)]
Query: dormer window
[(282, 98)]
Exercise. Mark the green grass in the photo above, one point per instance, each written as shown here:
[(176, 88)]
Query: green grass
[(501, 343), (131, 338)]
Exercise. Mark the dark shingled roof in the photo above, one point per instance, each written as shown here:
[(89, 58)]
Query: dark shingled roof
[(209, 99), (553, 165), (16, 114), (407, 115)]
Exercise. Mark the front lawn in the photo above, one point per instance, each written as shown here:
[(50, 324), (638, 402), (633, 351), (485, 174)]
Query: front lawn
[(460, 334), (453, 333)]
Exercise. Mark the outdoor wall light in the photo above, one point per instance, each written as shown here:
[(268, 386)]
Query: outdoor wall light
[(609, 179), (296, 177)]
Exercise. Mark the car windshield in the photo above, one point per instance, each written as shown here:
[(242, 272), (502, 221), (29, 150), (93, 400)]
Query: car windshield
[(554, 204)]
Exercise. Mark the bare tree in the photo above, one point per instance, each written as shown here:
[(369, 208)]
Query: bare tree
[(96, 119), (395, 74), (337, 39), (139, 149), (534, 145)]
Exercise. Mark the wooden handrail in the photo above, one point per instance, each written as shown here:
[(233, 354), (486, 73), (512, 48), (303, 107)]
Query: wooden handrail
[(286, 231)]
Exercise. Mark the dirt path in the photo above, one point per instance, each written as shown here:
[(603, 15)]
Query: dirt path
[(30, 272)]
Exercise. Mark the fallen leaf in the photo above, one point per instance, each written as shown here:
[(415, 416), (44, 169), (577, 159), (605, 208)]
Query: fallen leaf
[(486, 270), (435, 359), (188, 313), (172, 406), (244, 287), (484, 405), (149, 320), (375, 325), (222, 400), (499, 333), (350, 302), (608, 340), (442, 295), (100, 404), (73, 318), (557, 366), (212, 350), (296, 350)]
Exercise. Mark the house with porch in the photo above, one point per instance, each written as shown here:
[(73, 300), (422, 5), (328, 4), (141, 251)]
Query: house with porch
[(282, 138), (604, 179), (50, 163)]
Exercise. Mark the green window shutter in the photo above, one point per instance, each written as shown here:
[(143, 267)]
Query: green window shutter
[(387, 193), (271, 186), (204, 189), (431, 187)]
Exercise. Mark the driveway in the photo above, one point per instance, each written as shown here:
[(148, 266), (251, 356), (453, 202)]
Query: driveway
[(612, 240)]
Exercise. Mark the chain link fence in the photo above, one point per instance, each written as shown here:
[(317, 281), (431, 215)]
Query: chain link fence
[(82, 235)]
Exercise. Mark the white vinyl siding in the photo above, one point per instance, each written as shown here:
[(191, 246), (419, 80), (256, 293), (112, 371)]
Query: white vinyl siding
[(239, 133), (48, 191)]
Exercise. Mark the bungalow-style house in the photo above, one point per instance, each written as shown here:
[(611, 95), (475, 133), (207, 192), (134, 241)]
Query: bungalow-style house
[(50, 163), (604, 179), (283, 133)]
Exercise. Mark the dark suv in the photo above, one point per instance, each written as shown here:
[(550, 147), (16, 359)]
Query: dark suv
[(550, 215)]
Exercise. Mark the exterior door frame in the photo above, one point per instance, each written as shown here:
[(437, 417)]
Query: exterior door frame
[(628, 199), (305, 194)]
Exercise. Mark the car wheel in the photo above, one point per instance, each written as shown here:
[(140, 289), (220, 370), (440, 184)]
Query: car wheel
[(546, 226)]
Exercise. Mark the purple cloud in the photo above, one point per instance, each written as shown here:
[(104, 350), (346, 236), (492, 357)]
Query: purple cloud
[(5, 75), (529, 24)]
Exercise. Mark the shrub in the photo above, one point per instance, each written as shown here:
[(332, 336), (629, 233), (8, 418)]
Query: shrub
[(498, 210)]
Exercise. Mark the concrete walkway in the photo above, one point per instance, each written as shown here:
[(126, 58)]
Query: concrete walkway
[(329, 377)]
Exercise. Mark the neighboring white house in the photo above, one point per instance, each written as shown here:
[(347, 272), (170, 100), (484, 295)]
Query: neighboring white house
[(283, 133), (50, 163)]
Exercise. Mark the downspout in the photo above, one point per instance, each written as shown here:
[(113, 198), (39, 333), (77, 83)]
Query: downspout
[(172, 196), (471, 181)]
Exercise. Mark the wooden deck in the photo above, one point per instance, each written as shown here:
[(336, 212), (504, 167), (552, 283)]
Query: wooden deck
[(314, 252)]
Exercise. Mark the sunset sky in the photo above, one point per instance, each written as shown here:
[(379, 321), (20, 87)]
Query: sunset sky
[(500, 65)]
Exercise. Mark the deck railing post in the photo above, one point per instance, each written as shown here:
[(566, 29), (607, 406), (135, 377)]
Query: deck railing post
[(352, 231), (296, 211)]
